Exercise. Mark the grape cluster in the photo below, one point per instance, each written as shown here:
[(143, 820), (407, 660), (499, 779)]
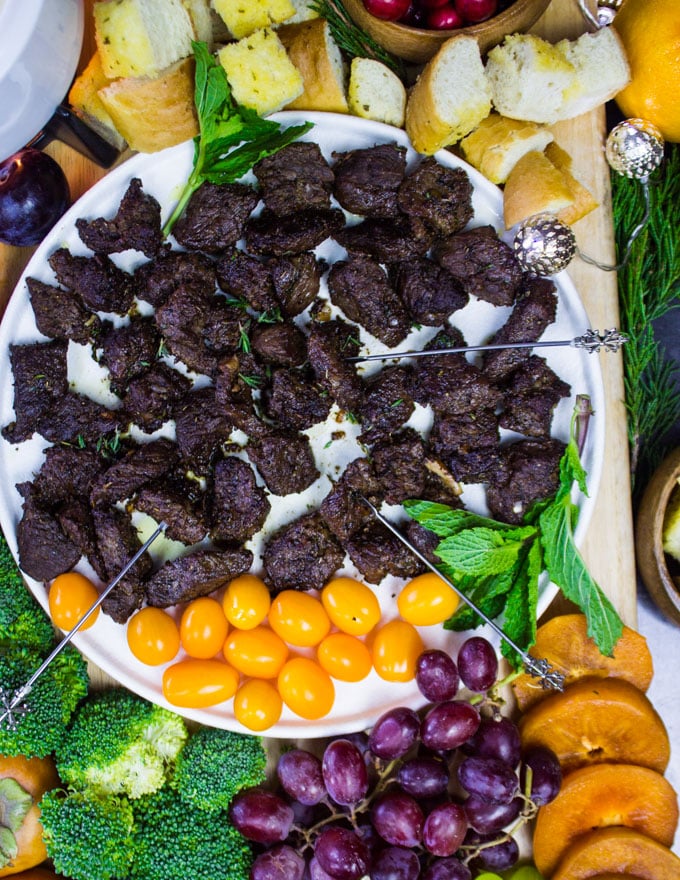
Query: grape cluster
[(429, 796)]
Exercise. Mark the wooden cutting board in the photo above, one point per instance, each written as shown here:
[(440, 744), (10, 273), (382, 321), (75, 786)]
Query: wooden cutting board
[(608, 548)]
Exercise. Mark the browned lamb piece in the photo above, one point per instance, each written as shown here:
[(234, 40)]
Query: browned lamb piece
[(303, 555), (238, 506), (101, 285), (439, 196), (61, 314), (195, 574), (530, 472), (367, 180), (295, 178), (269, 234), (215, 217), (136, 225), (329, 344), (430, 293)]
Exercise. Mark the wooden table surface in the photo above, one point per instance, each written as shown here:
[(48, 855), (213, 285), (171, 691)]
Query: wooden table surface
[(608, 548)]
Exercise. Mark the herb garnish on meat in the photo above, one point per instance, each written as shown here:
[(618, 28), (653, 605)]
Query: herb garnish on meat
[(498, 566), (232, 138)]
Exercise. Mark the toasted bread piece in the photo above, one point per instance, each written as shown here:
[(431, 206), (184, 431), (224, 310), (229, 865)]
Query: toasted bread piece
[(260, 73), (450, 97), (528, 77), (141, 37), (243, 19), (602, 70), (583, 200), (498, 143), (312, 49), (152, 113), (85, 101), (375, 92)]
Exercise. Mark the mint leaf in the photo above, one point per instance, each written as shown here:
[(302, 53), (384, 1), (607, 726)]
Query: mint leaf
[(481, 551), (444, 520), (521, 602), (488, 594), (567, 569)]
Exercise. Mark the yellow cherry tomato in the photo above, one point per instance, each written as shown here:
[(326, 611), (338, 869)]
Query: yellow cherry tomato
[(71, 595), (395, 648), (351, 605), (344, 657), (306, 688), (153, 636), (195, 684), (257, 653), (246, 601), (426, 600), (257, 704), (203, 628), (299, 618)]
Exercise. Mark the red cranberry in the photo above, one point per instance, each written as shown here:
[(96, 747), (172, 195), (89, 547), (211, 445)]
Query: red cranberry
[(389, 10), (444, 18), (473, 11)]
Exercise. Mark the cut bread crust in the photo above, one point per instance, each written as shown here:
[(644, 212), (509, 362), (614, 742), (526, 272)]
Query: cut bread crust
[(314, 52), (84, 100), (141, 37), (602, 70), (154, 113), (450, 97), (498, 143), (375, 92)]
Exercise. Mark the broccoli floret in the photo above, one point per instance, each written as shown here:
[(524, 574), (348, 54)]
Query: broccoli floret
[(215, 764), (22, 620), (173, 840), (119, 743), (87, 837), (51, 703)]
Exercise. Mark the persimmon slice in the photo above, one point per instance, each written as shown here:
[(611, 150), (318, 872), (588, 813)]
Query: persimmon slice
[(564, 642), (598, 720), (601, 796), (621, 852)]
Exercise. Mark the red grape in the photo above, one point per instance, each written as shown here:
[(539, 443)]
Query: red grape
[(444, 18), (398, 819), (437, 676), (279, 863), (473, 11), (34, 193), (477, 664), (300, 776), (341, 853), (491, 780), (344, 772), (423, 777), (394, 733), (389, 10), (444, 829), (261, 816), (448, 725), (546, 774)]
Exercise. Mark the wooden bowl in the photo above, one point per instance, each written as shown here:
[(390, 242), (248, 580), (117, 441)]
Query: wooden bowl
[(654, 565), (418, 45)]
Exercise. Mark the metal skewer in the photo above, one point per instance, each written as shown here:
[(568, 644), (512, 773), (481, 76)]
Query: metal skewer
[(591, 341), (550, 678), (13, 705)]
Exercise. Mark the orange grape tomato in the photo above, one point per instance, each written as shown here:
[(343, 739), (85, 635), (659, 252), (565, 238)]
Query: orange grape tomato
[(344, 657), (195, 684), (257, 704), (203, 628), (396, 647), (71, 595), (306, 688), (299, 618), (246, 601), (259, 652), (426, 600), (351, 605), (153, 636)]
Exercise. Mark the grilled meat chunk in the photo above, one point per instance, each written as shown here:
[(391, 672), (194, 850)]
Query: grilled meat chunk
[(136, 225), (303, 555), (196, 574)]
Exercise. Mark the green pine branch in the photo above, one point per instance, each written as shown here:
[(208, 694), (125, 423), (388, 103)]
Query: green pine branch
[(649, 285)]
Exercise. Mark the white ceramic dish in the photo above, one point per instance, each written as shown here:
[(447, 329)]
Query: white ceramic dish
[(40, 42), (357, 705)]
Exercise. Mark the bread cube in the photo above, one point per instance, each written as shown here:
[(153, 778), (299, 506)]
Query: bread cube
[(141, 37), (260, 73), (244, 18), (375, 92)]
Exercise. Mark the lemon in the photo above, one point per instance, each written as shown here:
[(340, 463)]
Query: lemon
[(650, 32)]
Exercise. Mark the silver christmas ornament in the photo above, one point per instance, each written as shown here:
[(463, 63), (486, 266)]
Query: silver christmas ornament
[(544, 245), (634, 148)]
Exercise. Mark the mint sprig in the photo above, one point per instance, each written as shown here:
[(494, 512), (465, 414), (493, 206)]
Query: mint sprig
[(232, 138), (499, 567)]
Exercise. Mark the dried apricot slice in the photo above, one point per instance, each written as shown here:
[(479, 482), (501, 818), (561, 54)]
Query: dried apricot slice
[(564, 642), (596, 720), (600, 796), (617, 851)]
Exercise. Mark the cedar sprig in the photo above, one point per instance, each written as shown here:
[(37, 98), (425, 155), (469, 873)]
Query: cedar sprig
[(352, 39), (649, 285)]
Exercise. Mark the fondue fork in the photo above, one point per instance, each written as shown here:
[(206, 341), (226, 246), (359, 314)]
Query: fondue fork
[(550, 678), (591, 341), (12, 705)]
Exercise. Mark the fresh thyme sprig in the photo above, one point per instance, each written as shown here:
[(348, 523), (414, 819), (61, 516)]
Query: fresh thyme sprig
[(352, 39), (649, 285)]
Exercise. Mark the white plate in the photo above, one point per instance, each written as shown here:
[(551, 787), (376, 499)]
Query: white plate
[(162, 175)]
